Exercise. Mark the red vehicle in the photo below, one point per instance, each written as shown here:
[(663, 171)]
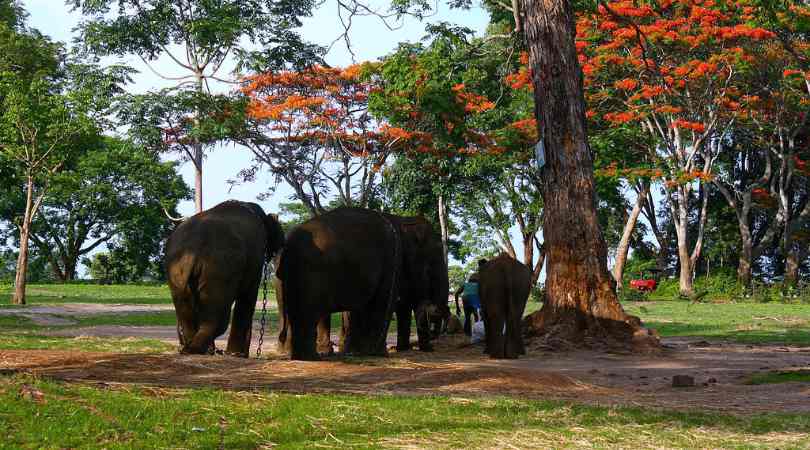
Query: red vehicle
[(646, 282)]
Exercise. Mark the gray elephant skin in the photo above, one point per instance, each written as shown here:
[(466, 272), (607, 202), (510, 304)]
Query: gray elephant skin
[(505, 285), (367, 264), (214, 261)]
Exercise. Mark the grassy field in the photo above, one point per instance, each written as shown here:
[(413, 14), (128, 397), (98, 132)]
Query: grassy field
[(38, 413), (41, 414), (89, 293), (739, 322)]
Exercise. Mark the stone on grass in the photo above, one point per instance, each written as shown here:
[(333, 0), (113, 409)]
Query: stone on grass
[(680, 381)]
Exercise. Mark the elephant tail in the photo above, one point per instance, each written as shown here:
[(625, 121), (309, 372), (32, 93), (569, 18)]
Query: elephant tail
[(283, 274)]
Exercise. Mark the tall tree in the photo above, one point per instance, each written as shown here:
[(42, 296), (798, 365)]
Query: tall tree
[(112, 193), (676, 70), (580, 297), (45, 120), (207, 33), (312, 129)]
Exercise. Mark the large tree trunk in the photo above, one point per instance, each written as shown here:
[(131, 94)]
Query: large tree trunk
[(20, 278), (581, 305), (627, 234)]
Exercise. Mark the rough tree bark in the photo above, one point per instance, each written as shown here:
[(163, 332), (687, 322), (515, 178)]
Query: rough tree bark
[(581, 304)]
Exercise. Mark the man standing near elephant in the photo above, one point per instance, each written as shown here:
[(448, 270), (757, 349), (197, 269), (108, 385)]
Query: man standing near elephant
[(469, 292)]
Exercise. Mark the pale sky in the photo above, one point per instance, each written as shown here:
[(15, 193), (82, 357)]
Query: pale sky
[(371, 40)]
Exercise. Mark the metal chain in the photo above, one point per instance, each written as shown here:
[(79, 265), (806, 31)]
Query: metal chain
[(181, 336), (264, 309)]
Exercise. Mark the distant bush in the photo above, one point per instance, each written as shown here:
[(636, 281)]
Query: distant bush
[(722, 286)]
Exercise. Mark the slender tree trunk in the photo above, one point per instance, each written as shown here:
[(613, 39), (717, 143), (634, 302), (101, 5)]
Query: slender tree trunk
[(792, 263), (627, 234), (443, 225), (685, 263), (20, 278), (198, 177), (746, 255), (198, 157), (581, 305), (679, 207), (541, 261)]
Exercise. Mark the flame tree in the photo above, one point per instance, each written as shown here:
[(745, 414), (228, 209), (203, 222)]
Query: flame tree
[(677, 70), (312, 129)]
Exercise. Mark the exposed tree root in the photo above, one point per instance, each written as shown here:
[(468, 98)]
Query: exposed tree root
[(568, 330)]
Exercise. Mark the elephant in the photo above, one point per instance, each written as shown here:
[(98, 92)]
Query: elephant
[(213, 261), (365, 264), (504, 288), (324, 341)]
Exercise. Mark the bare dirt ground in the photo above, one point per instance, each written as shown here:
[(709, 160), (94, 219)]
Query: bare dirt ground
[(457, 369)]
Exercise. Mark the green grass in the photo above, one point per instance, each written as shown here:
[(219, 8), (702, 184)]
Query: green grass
[(752, 323), (161, 318), (801, 376), (33, 341), (89, 293), (43, 414)]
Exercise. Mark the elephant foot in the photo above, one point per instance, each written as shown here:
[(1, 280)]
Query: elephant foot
[(237, 354), (305, 356), (426, 348), (404, 348)]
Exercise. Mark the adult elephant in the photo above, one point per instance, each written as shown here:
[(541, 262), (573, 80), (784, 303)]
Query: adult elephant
[(504, 286), (213, 260), (324, 342), (361, 262)]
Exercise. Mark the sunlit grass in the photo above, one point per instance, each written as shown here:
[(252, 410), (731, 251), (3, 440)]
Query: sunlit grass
[(42, 414)]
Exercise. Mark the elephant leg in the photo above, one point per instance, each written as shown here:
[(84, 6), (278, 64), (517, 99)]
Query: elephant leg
[(284, 331), (423, 328), (213, 311), (366, 336), (187, 324), (345, 320), (356, 337), (489, 319), (304, 333), (403, 326), (497, 342), (513, 341), (324, 343), (242, 324)]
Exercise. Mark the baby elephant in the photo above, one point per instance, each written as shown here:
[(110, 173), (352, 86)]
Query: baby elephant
[(504, 290)]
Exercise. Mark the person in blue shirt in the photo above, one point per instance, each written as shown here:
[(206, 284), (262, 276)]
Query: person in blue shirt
[(471, 300)]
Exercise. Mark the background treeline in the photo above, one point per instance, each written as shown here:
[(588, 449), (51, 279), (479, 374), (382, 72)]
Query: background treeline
[(697, 116)]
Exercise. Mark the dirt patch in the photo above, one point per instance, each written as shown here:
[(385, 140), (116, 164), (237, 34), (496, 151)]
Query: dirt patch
[(84, 309), (720, 370), (62, 315)]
